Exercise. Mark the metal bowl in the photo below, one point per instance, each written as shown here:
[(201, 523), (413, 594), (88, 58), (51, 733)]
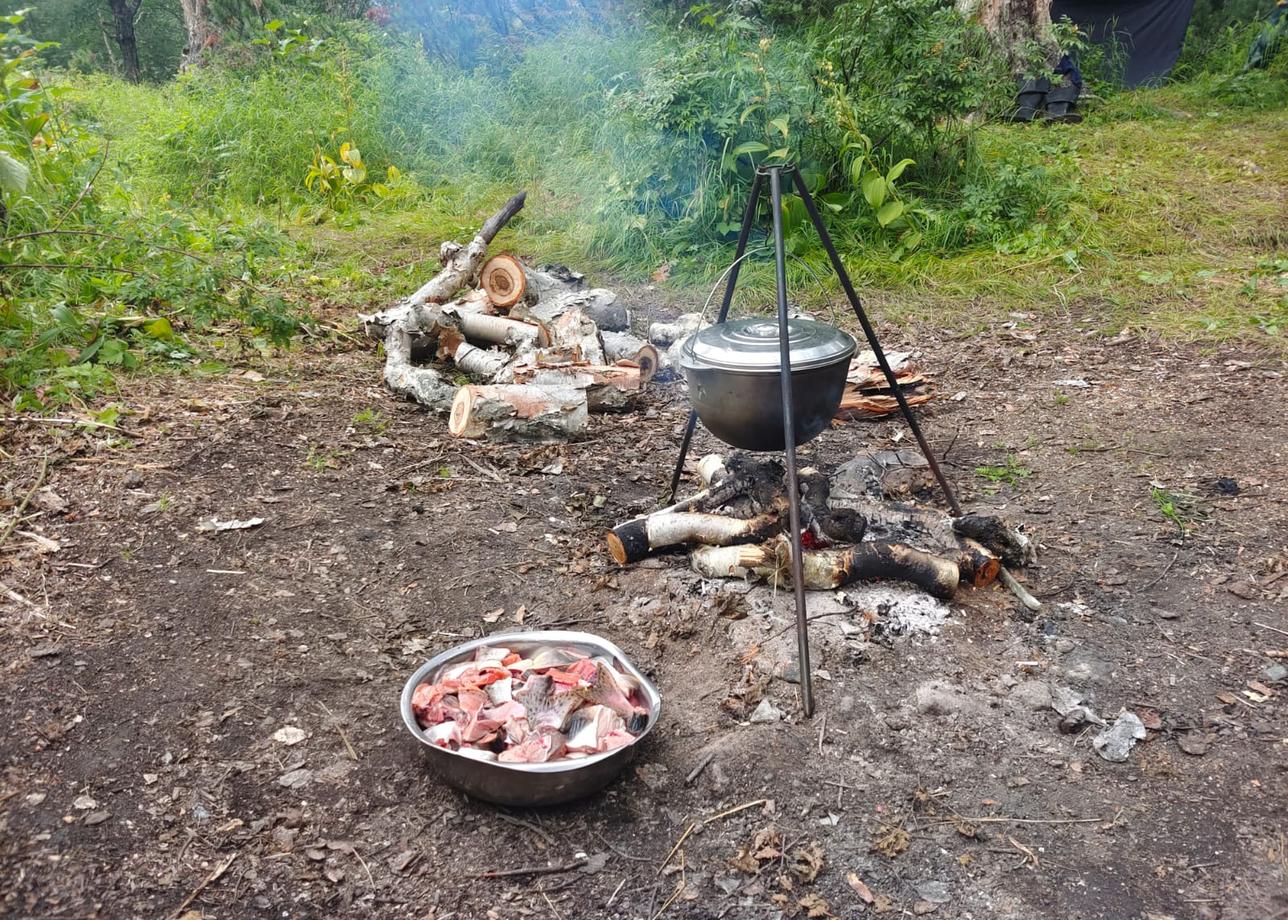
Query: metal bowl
[(530, 784), (734, 382)]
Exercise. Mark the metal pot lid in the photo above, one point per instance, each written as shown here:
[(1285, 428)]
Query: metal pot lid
[(751, 346)]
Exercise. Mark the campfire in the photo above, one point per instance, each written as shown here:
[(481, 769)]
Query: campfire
[(736, 527)]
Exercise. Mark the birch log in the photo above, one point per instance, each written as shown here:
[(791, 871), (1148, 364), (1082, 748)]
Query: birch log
[(461, 264), (422, 384), (502, 330), (517, 412), (622, 346), (504, 280), (632, 541), (575, 335), (479, 362), (599, 304), (828, 569), (607, 387)]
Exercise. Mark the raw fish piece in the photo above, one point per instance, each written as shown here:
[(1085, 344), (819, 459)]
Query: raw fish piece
[(617, 738), (445, 735), (546, 707), (502, 691), (491, 656), (550, 657), (589, 726), (578, 674), (628, 683), (538, 747), (604, 691)]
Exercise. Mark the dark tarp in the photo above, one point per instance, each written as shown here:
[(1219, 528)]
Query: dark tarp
[(1149, 34)]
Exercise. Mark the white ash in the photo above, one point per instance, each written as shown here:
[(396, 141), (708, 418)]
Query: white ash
[(901, 611)]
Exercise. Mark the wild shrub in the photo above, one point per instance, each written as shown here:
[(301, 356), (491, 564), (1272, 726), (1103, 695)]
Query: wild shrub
[(92, 278)]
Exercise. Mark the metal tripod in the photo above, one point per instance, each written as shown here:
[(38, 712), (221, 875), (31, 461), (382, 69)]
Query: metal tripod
[(775, 174)]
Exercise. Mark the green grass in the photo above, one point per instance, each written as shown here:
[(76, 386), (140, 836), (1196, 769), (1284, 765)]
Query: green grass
[(1165, 213)]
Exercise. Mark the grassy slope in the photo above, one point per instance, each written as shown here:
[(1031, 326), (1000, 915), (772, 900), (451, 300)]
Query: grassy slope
[(1184, 208)]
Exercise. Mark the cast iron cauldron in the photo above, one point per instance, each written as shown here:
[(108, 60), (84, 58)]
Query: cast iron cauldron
[(732, 370)]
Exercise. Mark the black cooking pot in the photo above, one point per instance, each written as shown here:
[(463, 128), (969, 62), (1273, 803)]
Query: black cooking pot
[(734, 385)]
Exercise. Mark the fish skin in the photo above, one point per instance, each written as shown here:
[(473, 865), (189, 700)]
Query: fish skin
[(550, 657), (546, 707), (589, 726), (604, 691), (445, 735), (538, 747)]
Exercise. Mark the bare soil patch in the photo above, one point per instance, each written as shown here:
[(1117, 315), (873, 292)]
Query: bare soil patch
[(147, 665)]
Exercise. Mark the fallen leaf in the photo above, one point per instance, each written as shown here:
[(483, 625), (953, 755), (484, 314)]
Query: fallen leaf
[(862, 890), (520, 614), (807, 861), (815, 906), (1261, 688), (493, 615), (892, 842)]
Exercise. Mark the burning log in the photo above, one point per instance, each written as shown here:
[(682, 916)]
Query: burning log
[(1014, 548), (828, 569), (634, 540), (518, 412), (978, 565), (504, 279)]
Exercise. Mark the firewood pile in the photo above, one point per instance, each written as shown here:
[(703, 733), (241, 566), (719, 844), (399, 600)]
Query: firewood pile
[(735, 528), (541, 350)]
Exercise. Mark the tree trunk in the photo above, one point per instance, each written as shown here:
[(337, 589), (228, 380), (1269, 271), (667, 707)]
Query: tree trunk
[(1016, 25), (124, 14), (201, 33)]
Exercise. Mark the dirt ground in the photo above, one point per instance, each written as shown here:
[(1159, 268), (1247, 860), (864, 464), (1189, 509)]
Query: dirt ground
[(147, 665)]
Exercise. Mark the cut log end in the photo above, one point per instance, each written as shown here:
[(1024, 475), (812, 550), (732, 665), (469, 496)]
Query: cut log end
[(458, 423), (628, 542), (504, 280)]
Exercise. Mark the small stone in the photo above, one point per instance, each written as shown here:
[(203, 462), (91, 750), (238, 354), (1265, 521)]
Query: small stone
[(1196, 744), (289, 734), (133, 479), (334, 875), (1274, 673), (96, 817), (1033, 695), (936, 892), (150, 778), (295, 779), (34, 798), (921, 908), (766, 713), (84, 803)]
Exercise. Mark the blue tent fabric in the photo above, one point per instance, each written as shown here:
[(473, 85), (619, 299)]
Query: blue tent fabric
[(1149, 33)]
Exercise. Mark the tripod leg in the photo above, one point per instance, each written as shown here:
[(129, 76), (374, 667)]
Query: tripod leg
[(789, 438), (871, 334), (748, 219)]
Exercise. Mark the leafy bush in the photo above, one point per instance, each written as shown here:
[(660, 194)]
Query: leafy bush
[(92, 278)]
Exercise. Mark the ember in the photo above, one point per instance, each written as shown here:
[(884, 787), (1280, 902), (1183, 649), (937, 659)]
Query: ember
[(556, 703)]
